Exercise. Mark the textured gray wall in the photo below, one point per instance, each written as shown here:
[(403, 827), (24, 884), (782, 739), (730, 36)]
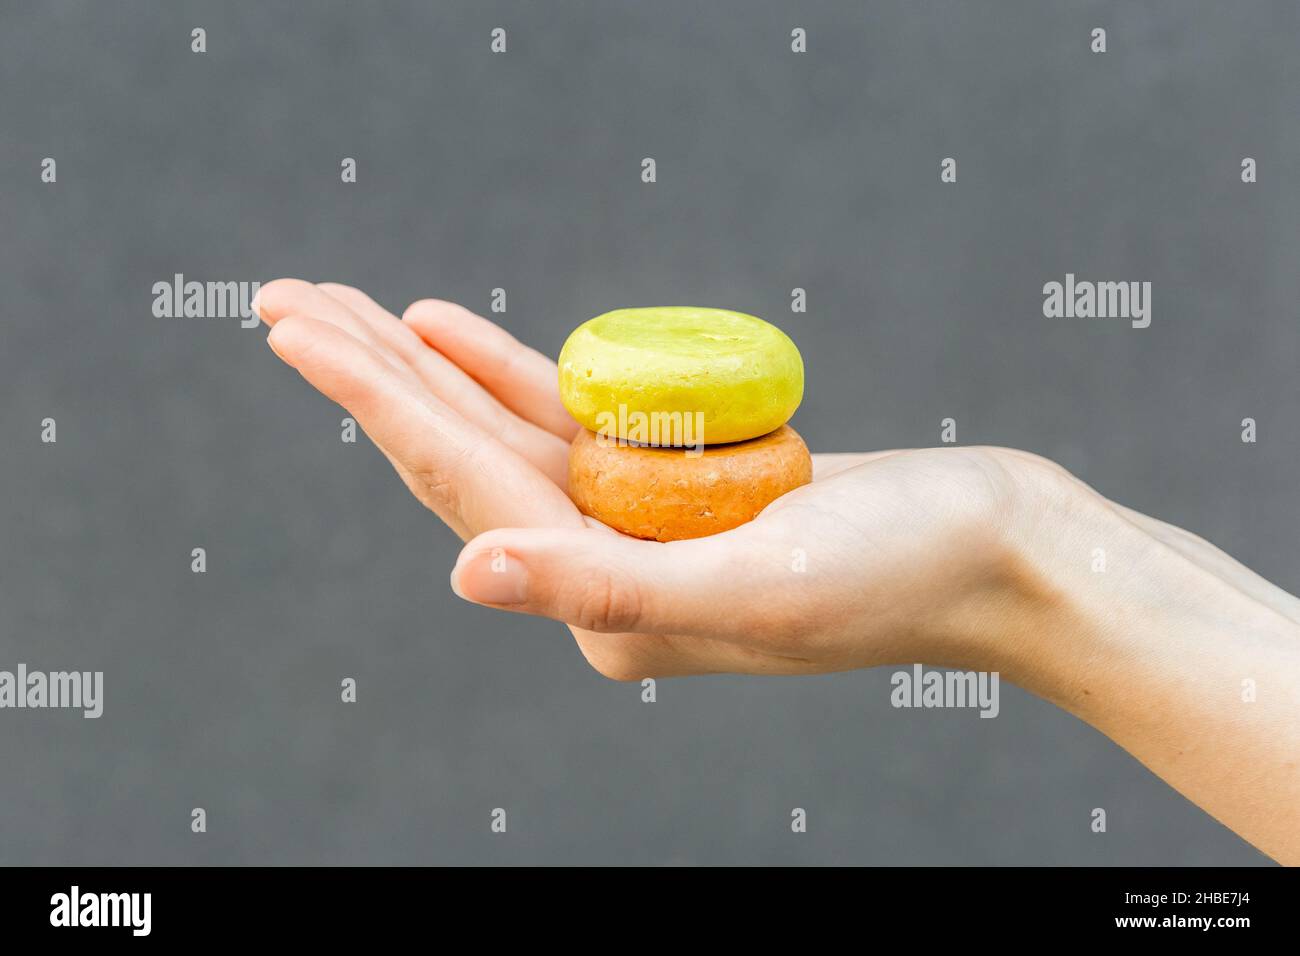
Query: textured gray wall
[(522, 171)]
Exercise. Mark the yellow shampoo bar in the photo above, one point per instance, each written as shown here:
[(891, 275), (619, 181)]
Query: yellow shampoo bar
[(680, 376)]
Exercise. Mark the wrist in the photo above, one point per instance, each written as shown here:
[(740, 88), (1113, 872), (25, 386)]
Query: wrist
[(1104, 610), (1155, 638), (1072, 581), (1024, 591)]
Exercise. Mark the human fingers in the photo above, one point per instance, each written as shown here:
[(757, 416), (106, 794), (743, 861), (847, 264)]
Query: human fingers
[(469, 480), (282, 298), (546, 452), (720, 586), (524, 380)]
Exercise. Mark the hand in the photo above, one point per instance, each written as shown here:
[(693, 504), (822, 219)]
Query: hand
[(973, 557), (882, 559)]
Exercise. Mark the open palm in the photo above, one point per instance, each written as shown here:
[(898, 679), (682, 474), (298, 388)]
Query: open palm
[(839, 574)]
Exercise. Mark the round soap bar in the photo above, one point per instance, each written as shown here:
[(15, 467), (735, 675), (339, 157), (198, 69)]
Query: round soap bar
[(627, 373), (670, 493)]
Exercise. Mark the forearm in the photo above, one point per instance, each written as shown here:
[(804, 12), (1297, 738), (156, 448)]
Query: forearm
[(1176, 652)]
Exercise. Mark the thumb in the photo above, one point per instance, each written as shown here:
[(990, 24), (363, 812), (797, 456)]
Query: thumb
[(601, 581)]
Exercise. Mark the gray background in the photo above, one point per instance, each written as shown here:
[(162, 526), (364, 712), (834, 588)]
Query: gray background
[(522, 171)]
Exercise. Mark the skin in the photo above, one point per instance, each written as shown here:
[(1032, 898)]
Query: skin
[(974, 558)]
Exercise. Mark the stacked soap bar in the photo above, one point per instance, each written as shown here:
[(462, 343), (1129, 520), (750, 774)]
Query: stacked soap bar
[(684, 417)]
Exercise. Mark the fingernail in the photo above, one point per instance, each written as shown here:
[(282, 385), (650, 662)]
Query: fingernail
[(491, 577), (270, 340), (252, 305)]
